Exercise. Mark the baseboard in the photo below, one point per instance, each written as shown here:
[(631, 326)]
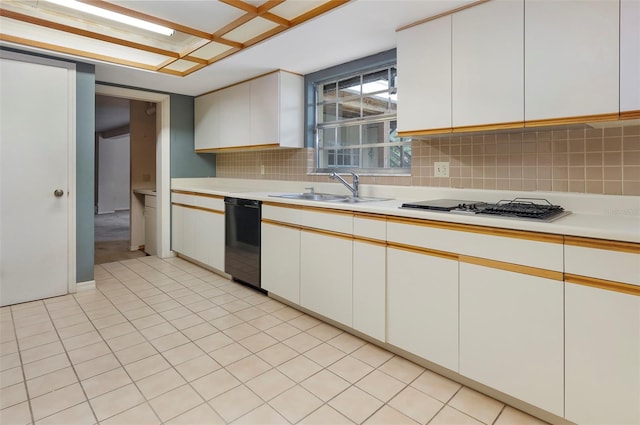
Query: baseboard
[(85, 286)]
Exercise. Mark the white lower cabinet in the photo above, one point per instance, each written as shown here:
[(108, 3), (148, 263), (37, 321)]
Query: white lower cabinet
[(369, 289), (602, 356), (280, 261), (422, 305), (198, 234), (511, 334), (326, 270)]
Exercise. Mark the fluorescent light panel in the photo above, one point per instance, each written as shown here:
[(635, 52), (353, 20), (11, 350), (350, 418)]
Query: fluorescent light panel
[(114, 16)]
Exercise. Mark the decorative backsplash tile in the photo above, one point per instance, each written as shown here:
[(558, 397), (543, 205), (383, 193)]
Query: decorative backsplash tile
[(564, 159)]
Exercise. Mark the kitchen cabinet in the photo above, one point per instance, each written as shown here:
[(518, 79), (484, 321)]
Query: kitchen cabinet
[(571, 59), (422, 305), (424, 76), (369, 276), (197, 228), (629, 58), (326, 270), (602, 355), (207, 121), (280, 252), (487, 66), (326, 264), (511, 333), (602, 331), (150, 225), (263, 112)]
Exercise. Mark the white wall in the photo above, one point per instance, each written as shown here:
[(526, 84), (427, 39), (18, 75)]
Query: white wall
[(113, 174)]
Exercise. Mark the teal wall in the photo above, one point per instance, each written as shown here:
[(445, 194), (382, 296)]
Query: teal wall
[(185, 162), (85, 164)]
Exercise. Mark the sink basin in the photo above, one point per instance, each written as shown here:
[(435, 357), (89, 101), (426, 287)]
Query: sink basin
[(328, 197), (311, 196), (351, 200)]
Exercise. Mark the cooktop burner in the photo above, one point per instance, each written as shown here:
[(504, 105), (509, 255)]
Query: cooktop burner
[(519, 208)]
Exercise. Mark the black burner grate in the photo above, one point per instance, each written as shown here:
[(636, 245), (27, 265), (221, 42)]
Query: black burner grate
[(524, 208)]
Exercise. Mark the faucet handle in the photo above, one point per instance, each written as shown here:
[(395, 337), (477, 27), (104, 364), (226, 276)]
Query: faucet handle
[(311, 190)]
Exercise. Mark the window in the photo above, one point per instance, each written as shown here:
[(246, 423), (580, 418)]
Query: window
[(355, 123)]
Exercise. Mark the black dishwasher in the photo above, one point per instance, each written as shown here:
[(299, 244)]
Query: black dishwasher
[(242, 239)]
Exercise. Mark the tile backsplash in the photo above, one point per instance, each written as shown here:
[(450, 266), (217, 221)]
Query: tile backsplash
[(577, 159)]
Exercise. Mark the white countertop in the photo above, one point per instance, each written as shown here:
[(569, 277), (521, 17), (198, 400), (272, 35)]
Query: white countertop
[(595, 216), (150, 192)]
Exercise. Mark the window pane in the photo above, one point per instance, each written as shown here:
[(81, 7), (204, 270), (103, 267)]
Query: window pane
[(327, 137), (373, 133), (373, 157), (375, 81), (349, 87), (327, 92), (375, 104), (349, 109), (327, 112), (349, 135)]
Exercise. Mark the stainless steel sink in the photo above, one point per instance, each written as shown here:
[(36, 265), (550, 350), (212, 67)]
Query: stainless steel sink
[(328, 197), (312, 196)]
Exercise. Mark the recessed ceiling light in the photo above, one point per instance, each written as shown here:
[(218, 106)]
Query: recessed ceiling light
[(114, 16)]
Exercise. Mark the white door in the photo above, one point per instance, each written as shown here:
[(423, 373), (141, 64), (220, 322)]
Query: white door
[(37, 132)]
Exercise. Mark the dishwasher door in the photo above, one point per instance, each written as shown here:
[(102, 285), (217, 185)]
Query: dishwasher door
[(242, 240)]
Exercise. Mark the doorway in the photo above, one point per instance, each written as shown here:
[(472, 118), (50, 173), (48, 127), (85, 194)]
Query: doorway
[(125, 167), (156, 106)]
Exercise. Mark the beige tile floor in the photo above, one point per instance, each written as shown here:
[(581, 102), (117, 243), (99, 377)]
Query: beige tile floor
[(167, 342)]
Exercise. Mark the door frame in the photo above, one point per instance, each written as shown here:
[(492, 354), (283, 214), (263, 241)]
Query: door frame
[(71, 153), (163, 151)]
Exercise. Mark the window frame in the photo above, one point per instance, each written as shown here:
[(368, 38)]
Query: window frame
[(358, 67)]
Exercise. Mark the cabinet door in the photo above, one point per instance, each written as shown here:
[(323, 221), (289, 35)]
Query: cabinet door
[(207, 121), (511, 334), (369, 287), (280, 261), (177, 228), (189, 228), (264, 109), (326, 276), (422, 305), (488, 65), (571, 58), (629, 55), (602, 356), (424, 76), (209, 239), (235, 111), (150, 229)]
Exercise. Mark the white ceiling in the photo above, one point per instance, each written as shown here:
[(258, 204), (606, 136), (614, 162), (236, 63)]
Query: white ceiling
[(354, 30)]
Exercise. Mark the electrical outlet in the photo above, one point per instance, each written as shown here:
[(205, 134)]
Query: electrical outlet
[(262, 169), (441, 169)]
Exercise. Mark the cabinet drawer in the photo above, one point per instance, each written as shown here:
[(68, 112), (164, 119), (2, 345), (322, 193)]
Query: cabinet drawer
[(372, 228), (181, 198), (282, 214), (605, 264), (210, 203), (521, 249), (334, 221)]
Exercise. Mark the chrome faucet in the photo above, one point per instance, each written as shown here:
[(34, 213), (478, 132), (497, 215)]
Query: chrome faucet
[(353, 188)]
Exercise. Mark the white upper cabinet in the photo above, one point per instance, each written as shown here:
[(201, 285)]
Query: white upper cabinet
[(629, 55), (207, 121), (571, 58), (266, 111), (488, 69), (424, 76)]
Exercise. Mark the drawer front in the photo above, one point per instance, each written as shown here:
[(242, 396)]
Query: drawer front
[(514, 250), (282, 214), (181, 198), (210, 203), (331, 221), (605, 264), (370, 228)]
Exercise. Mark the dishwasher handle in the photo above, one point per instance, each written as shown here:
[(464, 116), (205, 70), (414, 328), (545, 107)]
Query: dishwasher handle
[(245, 203)]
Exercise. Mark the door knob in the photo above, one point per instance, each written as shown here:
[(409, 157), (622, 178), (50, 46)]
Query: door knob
[(58, 192)]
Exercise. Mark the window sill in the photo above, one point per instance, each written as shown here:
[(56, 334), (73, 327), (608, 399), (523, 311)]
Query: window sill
[(361, 174)]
